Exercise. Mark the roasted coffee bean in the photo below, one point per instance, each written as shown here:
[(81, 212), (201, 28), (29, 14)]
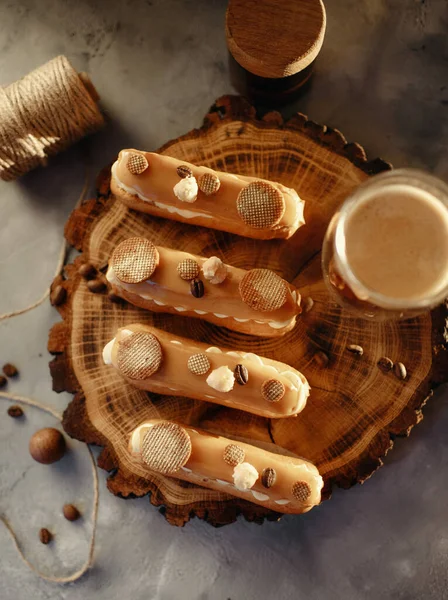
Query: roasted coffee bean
[(10, 370), (96, 286), (184, 171), (45, 536), (268, 477), (58, 295), (241, 374), (87, 271), (307, 304), (355, 349), (400, 370), (197, 288), (71, 513), (385, 364), (15, 412)]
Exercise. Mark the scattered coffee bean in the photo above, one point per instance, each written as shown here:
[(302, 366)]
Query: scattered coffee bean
[(385, 364), (15, 412), (114, 298), (47, 446), (87, 271), (268, 477), (45, 536), (58, 295), (241, 374), (197, 288), (3, 381), (321, 359), (71, 513), (184, 171), (10, 370), (400, 370), (96, 286), (355, 349), (307, 304)]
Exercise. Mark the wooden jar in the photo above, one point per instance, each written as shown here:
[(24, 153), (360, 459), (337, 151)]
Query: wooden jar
[(273, 45)]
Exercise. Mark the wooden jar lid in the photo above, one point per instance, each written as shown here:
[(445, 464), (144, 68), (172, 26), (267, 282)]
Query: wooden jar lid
[(275, 38)]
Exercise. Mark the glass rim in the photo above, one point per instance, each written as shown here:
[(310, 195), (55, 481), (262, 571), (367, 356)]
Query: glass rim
[(412, 177)]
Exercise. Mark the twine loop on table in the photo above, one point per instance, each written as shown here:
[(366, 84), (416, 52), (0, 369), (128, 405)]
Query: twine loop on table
[(57, 415), (43, 113)]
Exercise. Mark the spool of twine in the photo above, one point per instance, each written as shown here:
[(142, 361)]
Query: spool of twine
[(44, 113)]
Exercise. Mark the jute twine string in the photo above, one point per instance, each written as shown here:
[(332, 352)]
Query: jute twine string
[(57, 415), (94, 515), (43, 113)]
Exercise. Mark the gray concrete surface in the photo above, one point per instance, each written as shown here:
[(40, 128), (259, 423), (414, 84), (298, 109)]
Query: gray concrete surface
[(383, 80)]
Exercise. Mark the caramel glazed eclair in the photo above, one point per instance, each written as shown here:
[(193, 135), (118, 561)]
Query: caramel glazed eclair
[(257, 302), (282, 483), (167, 187), (160, 362)]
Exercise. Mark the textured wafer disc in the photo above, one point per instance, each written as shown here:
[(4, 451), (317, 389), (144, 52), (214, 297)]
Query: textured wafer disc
[(166, 447), (188, 269), (263, 290), (137, 163), (261, 205), (209, 183), (198, 364), (139, 355), (301, 491), (135, 260), (272, 390), (233, 455)]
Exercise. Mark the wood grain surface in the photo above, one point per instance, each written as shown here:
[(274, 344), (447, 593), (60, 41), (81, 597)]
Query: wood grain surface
[(355, 410), (275, 39)]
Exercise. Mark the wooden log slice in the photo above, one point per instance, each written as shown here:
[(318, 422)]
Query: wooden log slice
[(355, 409)]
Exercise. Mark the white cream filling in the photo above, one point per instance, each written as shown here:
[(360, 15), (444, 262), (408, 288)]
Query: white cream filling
[(221, 379), (111, 278), (260, 496), (187, 214), (186, 190), (244, 476), (107, 350)]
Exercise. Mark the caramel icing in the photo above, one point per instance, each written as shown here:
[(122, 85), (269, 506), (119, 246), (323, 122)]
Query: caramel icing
[(174, 375), (167, 288), (206, 466), (156, 184)]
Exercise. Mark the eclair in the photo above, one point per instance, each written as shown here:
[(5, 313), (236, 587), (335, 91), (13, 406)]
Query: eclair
[(160, 362), (258, 302), (282, 483), (167, 187)]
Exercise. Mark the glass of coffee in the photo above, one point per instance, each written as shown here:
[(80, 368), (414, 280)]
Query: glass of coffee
[(385, 253)]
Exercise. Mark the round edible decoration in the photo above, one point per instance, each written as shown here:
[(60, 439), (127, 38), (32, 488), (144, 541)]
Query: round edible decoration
[(260, 205), (198, 364), (135, 260), (137, 163), (139, 355), (166, 447), (301, 491), (188, 269), (233, 455), (272, 390), (263, 290), (209, 183)]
